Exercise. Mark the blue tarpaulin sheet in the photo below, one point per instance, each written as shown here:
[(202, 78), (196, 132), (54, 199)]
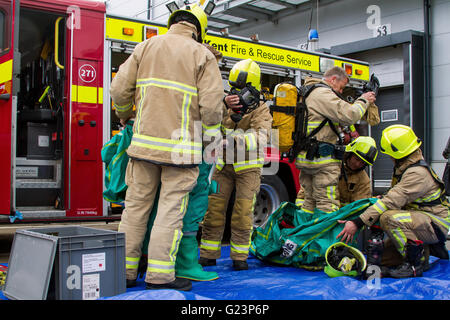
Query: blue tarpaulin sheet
[(273, 282)]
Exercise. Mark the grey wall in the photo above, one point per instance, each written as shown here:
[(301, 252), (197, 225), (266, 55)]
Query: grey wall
[(339, 25), (440, 91), (345, 21)]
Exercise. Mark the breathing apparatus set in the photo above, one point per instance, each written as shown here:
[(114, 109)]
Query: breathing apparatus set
[(290, 117)]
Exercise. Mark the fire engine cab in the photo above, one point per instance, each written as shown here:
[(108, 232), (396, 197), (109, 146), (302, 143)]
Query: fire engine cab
[(57, 59)]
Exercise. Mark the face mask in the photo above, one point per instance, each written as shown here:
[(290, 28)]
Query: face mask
[(248, 98)]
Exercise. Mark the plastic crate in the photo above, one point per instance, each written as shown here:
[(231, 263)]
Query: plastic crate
[(66, 263)]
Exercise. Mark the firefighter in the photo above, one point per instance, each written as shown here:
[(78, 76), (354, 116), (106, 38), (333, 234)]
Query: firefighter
[(320, 167), (186, 265), (413, 212), (246, 127), (354, 183), (177, 88)]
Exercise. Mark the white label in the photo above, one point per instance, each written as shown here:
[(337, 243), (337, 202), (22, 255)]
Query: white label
[(389, 115), (382, 30), (43, 141), (26, 172), (91, 286), (87, 73), (281, 94), (288, 248), (93, 262)]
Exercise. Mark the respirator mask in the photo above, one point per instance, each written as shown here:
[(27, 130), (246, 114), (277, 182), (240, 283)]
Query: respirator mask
[(249, 98)]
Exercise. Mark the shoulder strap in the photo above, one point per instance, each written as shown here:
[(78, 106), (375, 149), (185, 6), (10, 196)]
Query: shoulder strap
[(306, 91), (423, 163)]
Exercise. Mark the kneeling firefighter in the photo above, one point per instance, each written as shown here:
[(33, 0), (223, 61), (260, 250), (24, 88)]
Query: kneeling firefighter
[(246, 128), (414, 213), (354, 183)]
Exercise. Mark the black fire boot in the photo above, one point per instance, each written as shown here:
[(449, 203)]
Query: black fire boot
[(178, 284), (205, 262), (414, 263), (239, 265), (131, 283), (439, 250)]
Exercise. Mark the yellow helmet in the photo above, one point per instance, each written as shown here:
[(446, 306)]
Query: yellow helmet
[(399, 141), (365, 148), (243, 72), (200, 20), (344, 260)]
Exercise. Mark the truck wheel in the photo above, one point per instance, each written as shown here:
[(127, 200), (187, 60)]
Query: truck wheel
[(271, 194)]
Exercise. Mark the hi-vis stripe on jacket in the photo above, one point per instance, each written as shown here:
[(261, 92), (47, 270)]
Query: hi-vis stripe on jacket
[(177, 88), (416, 187), (324, 103), (251, 135)]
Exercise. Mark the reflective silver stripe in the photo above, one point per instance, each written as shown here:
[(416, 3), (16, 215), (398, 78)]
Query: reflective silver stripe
[(361, 108), (167, 84), (210, 245), (432, 197), (301, 158), (400, 237), (380, 207), (177, 236), (185, 116), (239, 248), (132, 263), (403, 217), (444, 222), (220, 164), (167, 145), (250, 164), (139, 111), (123, 108), (250, 139), (211, 130), (160, 266)]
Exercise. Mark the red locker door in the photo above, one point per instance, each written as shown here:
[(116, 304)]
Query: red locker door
[(8, 15)]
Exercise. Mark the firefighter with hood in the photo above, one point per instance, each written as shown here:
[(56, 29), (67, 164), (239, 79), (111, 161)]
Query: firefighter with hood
[(177, 88), (320, 167), (246, 128), (414, 213), (354, 183)]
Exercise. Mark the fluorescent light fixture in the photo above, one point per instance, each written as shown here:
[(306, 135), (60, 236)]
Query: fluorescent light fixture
[(172, 6), (209, 8)]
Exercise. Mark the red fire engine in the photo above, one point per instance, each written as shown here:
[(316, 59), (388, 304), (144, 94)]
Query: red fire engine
[(56, 62)]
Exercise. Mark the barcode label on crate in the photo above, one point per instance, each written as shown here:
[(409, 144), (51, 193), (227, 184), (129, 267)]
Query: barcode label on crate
[(93, 262), (91, 286)]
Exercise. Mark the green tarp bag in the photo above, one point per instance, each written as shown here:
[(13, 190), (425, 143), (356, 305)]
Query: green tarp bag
[(115, 157), (305, 244)]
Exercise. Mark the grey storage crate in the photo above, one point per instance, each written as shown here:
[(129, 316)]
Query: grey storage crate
[(66, 263)]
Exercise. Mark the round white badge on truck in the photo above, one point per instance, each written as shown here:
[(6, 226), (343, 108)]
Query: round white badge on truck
[(87, 73)]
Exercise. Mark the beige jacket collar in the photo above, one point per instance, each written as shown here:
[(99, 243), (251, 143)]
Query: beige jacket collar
[(411, 159), (184, 28)]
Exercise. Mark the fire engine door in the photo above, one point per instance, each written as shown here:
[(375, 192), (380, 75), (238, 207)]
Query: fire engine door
[(8, 24)]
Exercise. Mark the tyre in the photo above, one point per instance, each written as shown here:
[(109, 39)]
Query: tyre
[(271, 194)]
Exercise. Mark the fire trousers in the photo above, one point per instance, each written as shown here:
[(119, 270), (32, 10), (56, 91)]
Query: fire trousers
[(404, 225), (321, 188), (247, 183), (143, 179)]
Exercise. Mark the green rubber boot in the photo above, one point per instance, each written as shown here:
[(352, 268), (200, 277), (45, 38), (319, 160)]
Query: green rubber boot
[(187, 266)]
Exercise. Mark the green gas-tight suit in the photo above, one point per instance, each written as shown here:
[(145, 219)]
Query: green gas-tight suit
[(186, 265)]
